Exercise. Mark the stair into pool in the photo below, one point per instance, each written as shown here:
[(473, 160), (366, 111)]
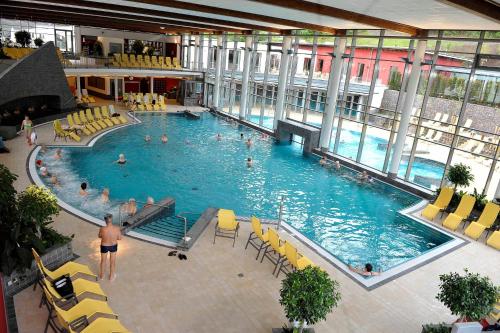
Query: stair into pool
[(169, 228)]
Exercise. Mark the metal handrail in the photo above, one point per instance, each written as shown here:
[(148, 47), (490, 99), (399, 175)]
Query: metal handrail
[(185, 239)]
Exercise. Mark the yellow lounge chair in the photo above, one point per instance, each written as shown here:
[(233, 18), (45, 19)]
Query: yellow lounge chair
[(486, 220), (149, 107), (257, 238), (226, 225), (86, 309), (80, 123), (59, 132), (81, 289), (90, 117), (121, 118), (463, 210), (494, 240), (274, 251), (442, 201), (294, 259), (98, 116), (156, 107), (495, 313), (73, 125), (141, 107), (73, 269), (87, 121), (101, 325), (105, 114)]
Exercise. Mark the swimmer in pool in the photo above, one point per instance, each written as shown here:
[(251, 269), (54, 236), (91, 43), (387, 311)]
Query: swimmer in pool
[(44, 172), (366, 271), (249, 143), (164, 138), (149, 202), (363, 176), (249, 162), (241, 136), (323, 161), (218, 137), (105, 195), (121, 159), (337, 165), (83, 190), (58, 155), (131, 207), (54, 181), (147, 138)]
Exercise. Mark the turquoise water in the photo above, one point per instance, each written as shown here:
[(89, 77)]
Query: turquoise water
[(374, 154), (356, 222)]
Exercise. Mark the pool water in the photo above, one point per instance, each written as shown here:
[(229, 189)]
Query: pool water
[(355, 222), (374, 154)]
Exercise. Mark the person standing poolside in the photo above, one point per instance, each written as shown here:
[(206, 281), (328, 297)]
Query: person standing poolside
[(109, 235), (27, 127)]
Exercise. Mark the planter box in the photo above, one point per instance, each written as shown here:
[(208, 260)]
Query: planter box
[(470, 327), (54, 257), (8, 132)]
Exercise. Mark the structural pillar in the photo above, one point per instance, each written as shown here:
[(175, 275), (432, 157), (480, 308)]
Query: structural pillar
[(332, 92), (218, 69), (151, 84), (282, 80), (196, 51), (78, 87), (116, 89), (123, 86), (406, 110), (78, 40), (497, 192), (245, 77)]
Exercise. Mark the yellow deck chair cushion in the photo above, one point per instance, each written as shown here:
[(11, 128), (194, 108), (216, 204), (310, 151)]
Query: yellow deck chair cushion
[(442, 201), (90, 119), (74, 136), (494, 240), (274, 240), (257, 229), (105, 114), (475, 230), (292, 256), (463, 210), (71, 268), (489, 214), (72, 124), (227, 219), (98, 115), (87, 307), (81, 289), (104, 325), (93, 119)]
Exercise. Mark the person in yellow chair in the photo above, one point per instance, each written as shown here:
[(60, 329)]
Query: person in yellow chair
[(109, 235)]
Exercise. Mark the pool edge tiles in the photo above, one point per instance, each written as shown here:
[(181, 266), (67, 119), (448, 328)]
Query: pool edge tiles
[(373, 282)]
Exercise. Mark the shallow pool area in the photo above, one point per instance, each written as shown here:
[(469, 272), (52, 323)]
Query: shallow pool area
[(354, 222)]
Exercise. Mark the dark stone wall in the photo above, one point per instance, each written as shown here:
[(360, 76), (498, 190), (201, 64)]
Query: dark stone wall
[(39, 74), (484, 118)]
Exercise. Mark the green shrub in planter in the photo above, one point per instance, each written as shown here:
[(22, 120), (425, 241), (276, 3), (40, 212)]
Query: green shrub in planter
[(436, 328), (308, 296), (23, 38), (38, 42), (469, 296)]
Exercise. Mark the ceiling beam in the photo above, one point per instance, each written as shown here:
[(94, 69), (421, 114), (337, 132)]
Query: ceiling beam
[(64, 18), (238, 14), (323, 10), (100, 14), (160, 13), (487, 9)]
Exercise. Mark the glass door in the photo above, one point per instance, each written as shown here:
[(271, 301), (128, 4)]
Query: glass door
[(64, 40)]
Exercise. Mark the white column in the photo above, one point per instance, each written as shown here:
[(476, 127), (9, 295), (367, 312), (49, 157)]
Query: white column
[(78, 87), (151, 84), (411, 92), (218, 70), (245, 78), (282, 80), (332, 92), (123, 85), (78, 40), (196, 51), (116, 89), (497, 193)]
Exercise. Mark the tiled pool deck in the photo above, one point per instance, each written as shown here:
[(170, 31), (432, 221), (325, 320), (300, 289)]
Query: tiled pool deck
[(157, 293)]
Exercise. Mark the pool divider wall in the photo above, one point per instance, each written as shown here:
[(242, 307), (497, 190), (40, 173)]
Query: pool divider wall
[(199, 226)]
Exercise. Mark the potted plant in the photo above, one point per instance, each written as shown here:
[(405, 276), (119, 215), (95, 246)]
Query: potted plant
[(25, 223), (23, 38), (38, 42), (459, 175), (308, 296), (469, 296), (138, 47)]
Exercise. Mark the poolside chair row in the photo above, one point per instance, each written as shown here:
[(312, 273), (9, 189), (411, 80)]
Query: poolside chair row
[(16, 52), (144, 98), (476, 228), (85, 310), (88, 124), (145, 61), (151, 107)]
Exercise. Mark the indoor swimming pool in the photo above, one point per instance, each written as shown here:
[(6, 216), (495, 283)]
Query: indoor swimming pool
[(353, 221)]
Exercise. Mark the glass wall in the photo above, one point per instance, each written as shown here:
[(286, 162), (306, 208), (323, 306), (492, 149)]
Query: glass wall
[(455, 117)]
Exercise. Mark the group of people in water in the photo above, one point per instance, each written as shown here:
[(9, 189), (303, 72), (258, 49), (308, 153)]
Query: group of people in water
[(163, 138), (362, 177), (44, 171), (249, 143)]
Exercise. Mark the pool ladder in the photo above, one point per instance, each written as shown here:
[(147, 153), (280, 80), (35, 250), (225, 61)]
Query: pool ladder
[(185, 239)]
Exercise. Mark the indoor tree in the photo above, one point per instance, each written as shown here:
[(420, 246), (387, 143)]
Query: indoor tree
[(138, 47), (469, 296), (38, 42), (459, 175), (24, 223), (23, 38), (308, 296)]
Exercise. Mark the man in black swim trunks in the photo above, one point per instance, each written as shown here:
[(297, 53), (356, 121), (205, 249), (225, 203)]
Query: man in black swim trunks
[(109, 235)]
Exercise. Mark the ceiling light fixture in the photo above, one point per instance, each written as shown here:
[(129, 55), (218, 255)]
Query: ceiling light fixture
[(162, 28)]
